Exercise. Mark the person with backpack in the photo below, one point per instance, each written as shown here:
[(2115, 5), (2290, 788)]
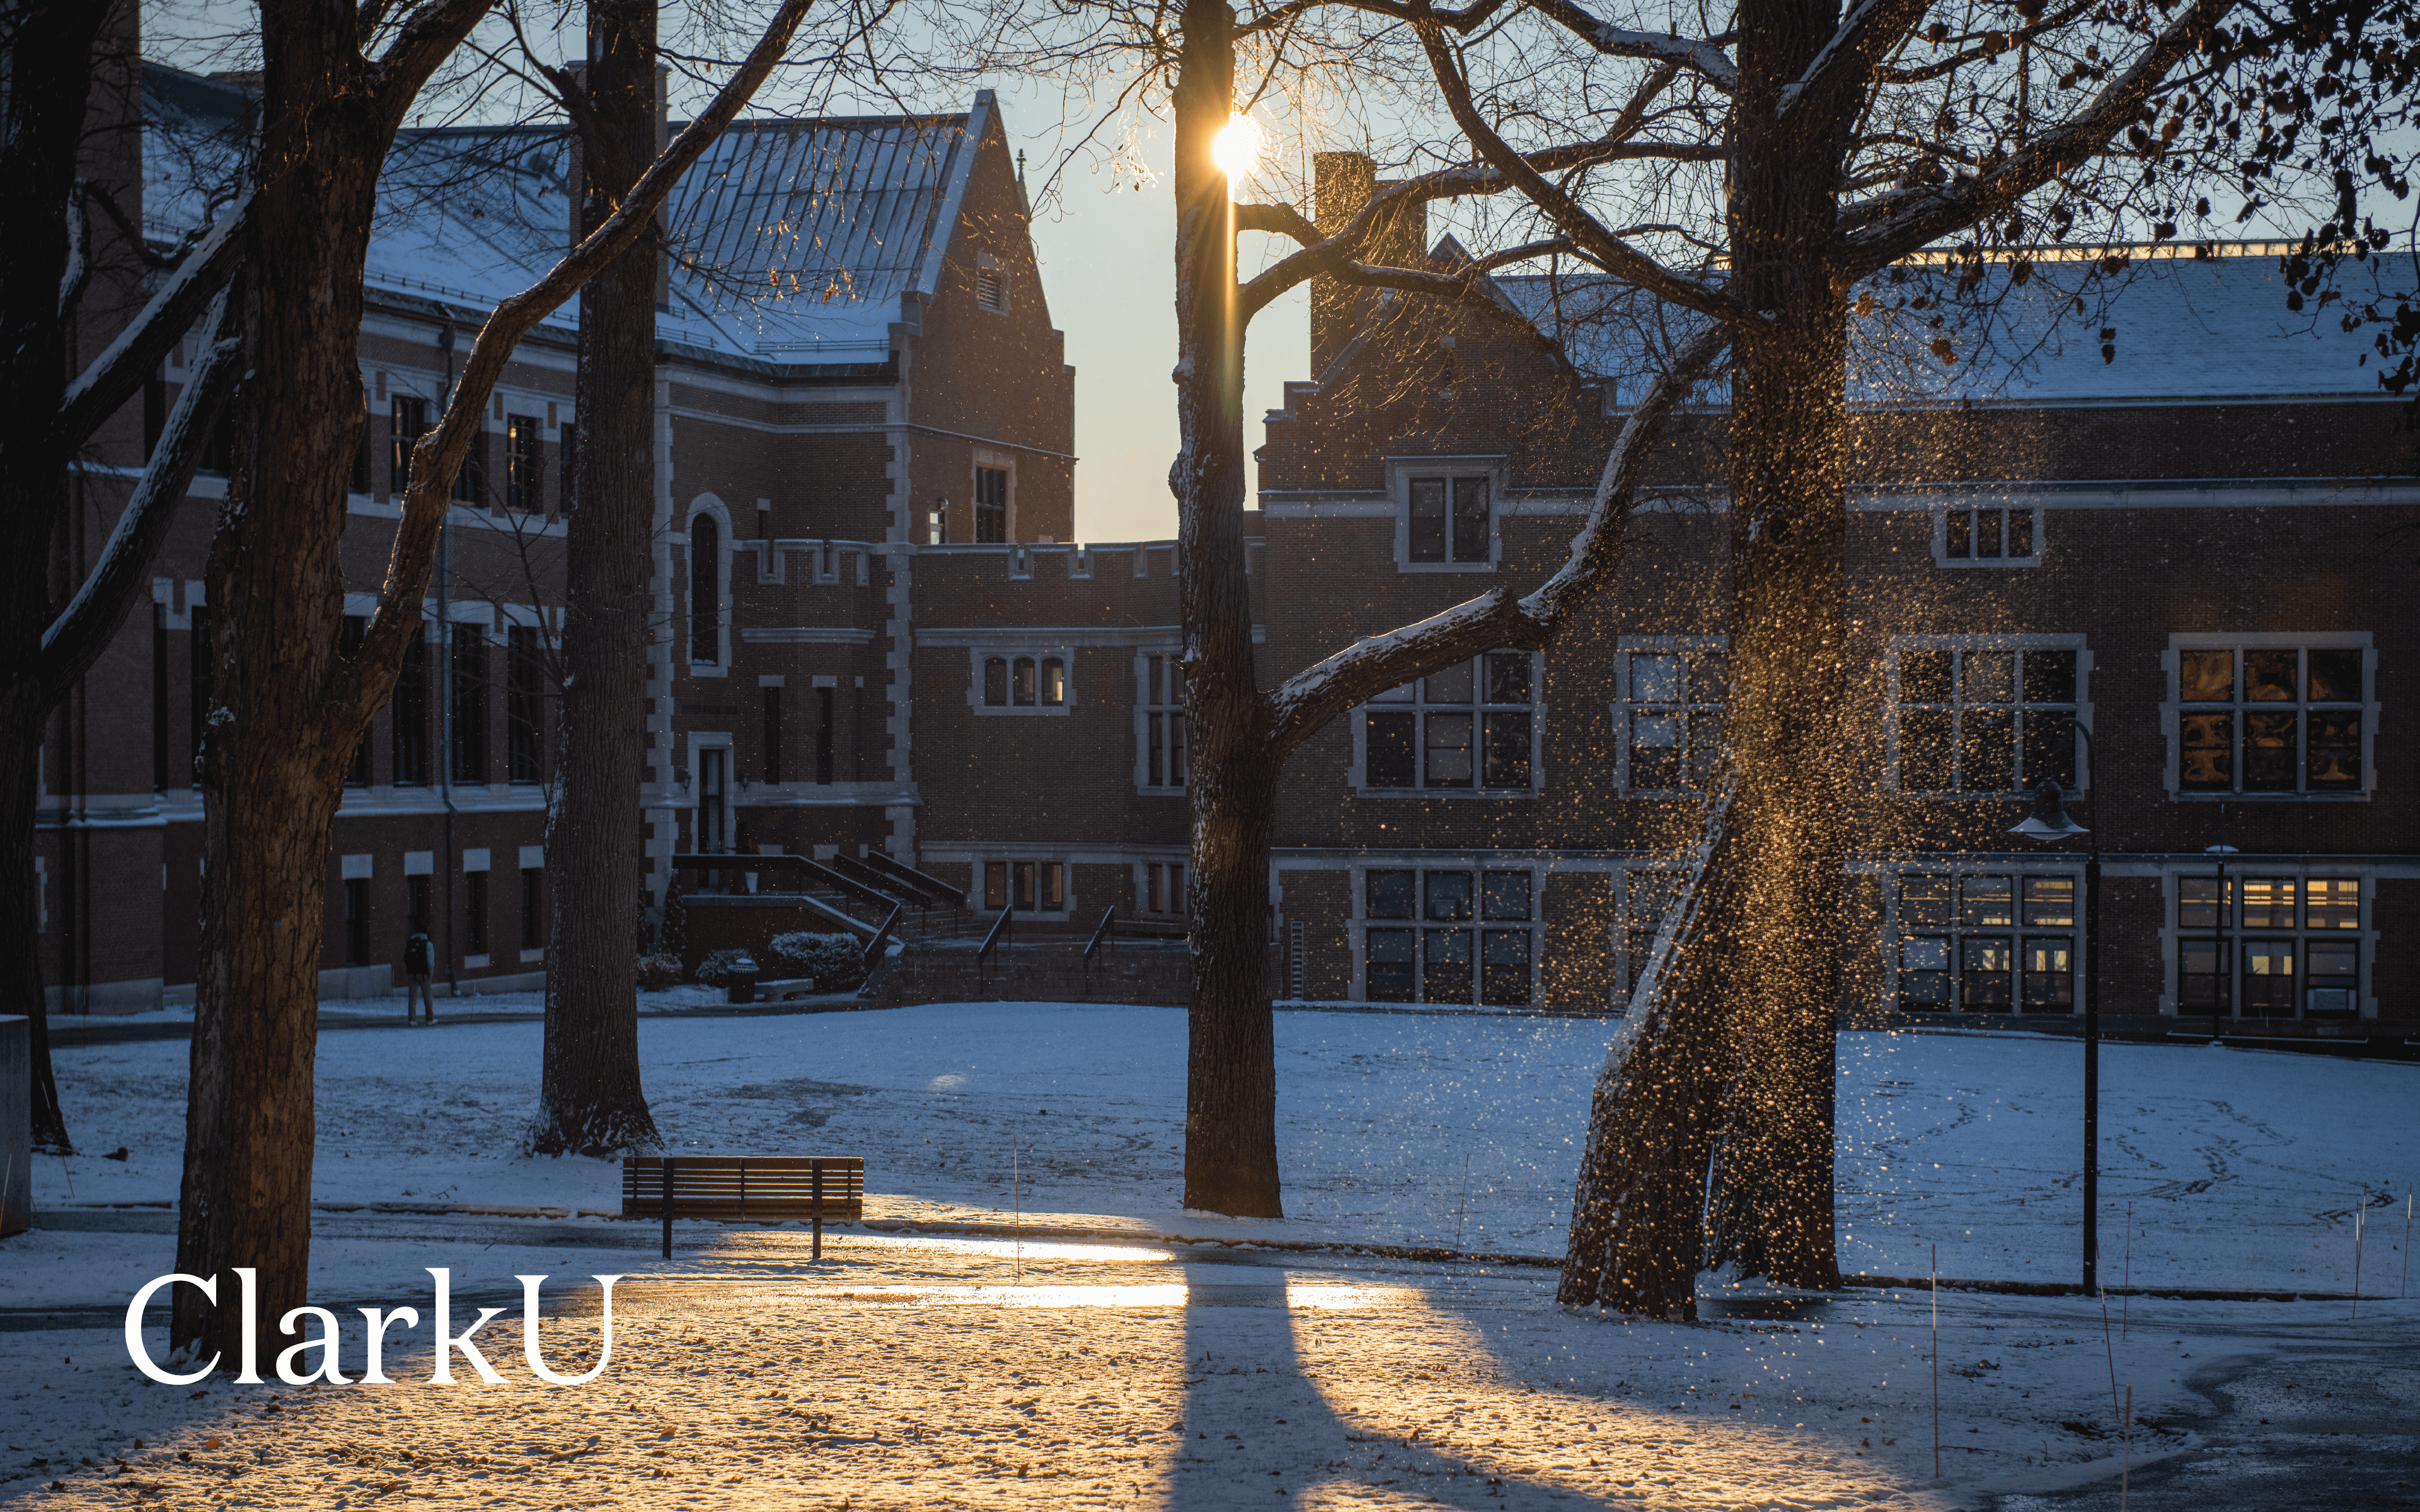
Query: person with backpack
[(419, 963)]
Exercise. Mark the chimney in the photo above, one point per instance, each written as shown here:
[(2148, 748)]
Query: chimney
[(1345, 182)]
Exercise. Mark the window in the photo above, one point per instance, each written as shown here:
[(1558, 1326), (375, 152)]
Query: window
[(1447, 520), (991, 283), (2269, 947), (523, 492), (824, 732), (1450, 936), (1987, 944), (357, 922), (411, 712), (474, 902), (201, 660), (1983, 718), (159, 696), (1668, 723), (470, 483), (1162, 709), (1471, 727), (936, 524), (2270, 719), (1029, 887), (1163, 890), (1023, 682), (704, 590), (567, 458), (418, 916), (532, 913), (771, 694), (408, 419), (348, 645), (1987, 535), (1648, 897), (524, 703), (991, 507), (469, 707), (713, 814)]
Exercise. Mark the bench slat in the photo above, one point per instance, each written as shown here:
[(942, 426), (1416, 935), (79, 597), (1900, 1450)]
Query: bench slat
[(742, 1187)]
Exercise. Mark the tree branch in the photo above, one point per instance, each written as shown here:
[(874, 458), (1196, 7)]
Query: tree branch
[(1839, 73), (1586, 232), (76, 637), (427, 38), (117, 373), (1924, 215), (1700, 56), (1311, 698), (366, 681), (78, 272)]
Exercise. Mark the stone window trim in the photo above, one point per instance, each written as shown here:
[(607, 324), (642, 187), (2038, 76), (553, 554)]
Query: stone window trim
[(2301, 871), (1955, 869), (1496, 473), (707, 506), (992, 505), (2081, 707), (1024, 680), (2172, 709), (1628, 702), (1422, 866), (1965, 530), (1159, 888), (1643, 895), (1480, 706), (1160, 735)]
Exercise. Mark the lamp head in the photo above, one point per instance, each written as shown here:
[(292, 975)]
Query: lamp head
[(2049, 820)]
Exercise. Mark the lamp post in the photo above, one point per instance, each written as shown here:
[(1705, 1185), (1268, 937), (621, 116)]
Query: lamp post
[(2049, 821)]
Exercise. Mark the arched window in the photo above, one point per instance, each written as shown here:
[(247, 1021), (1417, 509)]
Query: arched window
[(705, 590), (1054, 681), (1021, 686), (996, 681)]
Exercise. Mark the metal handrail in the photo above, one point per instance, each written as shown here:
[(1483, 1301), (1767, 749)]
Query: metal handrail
[(991, 941), (812, 870), (1103, 931), (901, 871), (882, 937)]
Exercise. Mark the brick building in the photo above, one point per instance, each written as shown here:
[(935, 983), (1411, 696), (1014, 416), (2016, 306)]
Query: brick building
[(2163, 512)]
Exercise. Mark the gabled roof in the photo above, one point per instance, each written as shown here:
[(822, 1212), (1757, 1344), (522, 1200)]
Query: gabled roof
[(2185, 328), (795, 241)]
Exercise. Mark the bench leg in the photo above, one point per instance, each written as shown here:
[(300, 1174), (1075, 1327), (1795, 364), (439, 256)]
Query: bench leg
[(815, 1183), (668, 1207)]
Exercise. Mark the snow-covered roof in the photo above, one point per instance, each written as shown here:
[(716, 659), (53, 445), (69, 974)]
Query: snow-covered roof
[(2183, 327), (793, 241)]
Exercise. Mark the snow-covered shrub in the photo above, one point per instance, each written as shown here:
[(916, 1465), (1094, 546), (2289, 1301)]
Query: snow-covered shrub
[(717, 969), (658, 970), (835, 961)]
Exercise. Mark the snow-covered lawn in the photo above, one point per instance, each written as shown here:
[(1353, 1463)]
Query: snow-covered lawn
[(2242, 1168), (925, 1372)]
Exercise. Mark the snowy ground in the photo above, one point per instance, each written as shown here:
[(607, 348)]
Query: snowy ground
[(941, 1372), (2244, 1169)]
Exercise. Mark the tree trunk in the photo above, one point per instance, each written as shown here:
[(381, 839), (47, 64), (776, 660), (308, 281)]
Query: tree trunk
[(591, 1103), (41, 133), (1783, 916), (1231, 1157), (277, 742)]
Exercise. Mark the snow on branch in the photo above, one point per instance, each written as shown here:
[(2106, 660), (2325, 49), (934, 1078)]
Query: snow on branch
[(83, 629), (112, 377), (1697, 55), (1865, 37), (1309, 700)]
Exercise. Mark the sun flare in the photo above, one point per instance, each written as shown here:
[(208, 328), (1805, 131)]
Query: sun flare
[(1237, 147)]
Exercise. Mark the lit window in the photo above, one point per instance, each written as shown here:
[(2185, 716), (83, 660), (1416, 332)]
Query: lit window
[(1986, 944), (1470, 728), (1029, 887), (1022, 682), (2270, 719), (2268, 947), (522, 477), (1984, 719)]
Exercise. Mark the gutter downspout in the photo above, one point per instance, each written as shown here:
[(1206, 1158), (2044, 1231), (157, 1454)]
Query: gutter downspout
[(446, 680)]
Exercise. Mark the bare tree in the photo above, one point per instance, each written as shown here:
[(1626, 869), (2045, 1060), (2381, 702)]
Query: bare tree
[(287, 707), (66, 59)]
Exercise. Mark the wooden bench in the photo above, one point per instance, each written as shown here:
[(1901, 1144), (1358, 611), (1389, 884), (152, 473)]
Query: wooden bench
[(744, 1189)]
